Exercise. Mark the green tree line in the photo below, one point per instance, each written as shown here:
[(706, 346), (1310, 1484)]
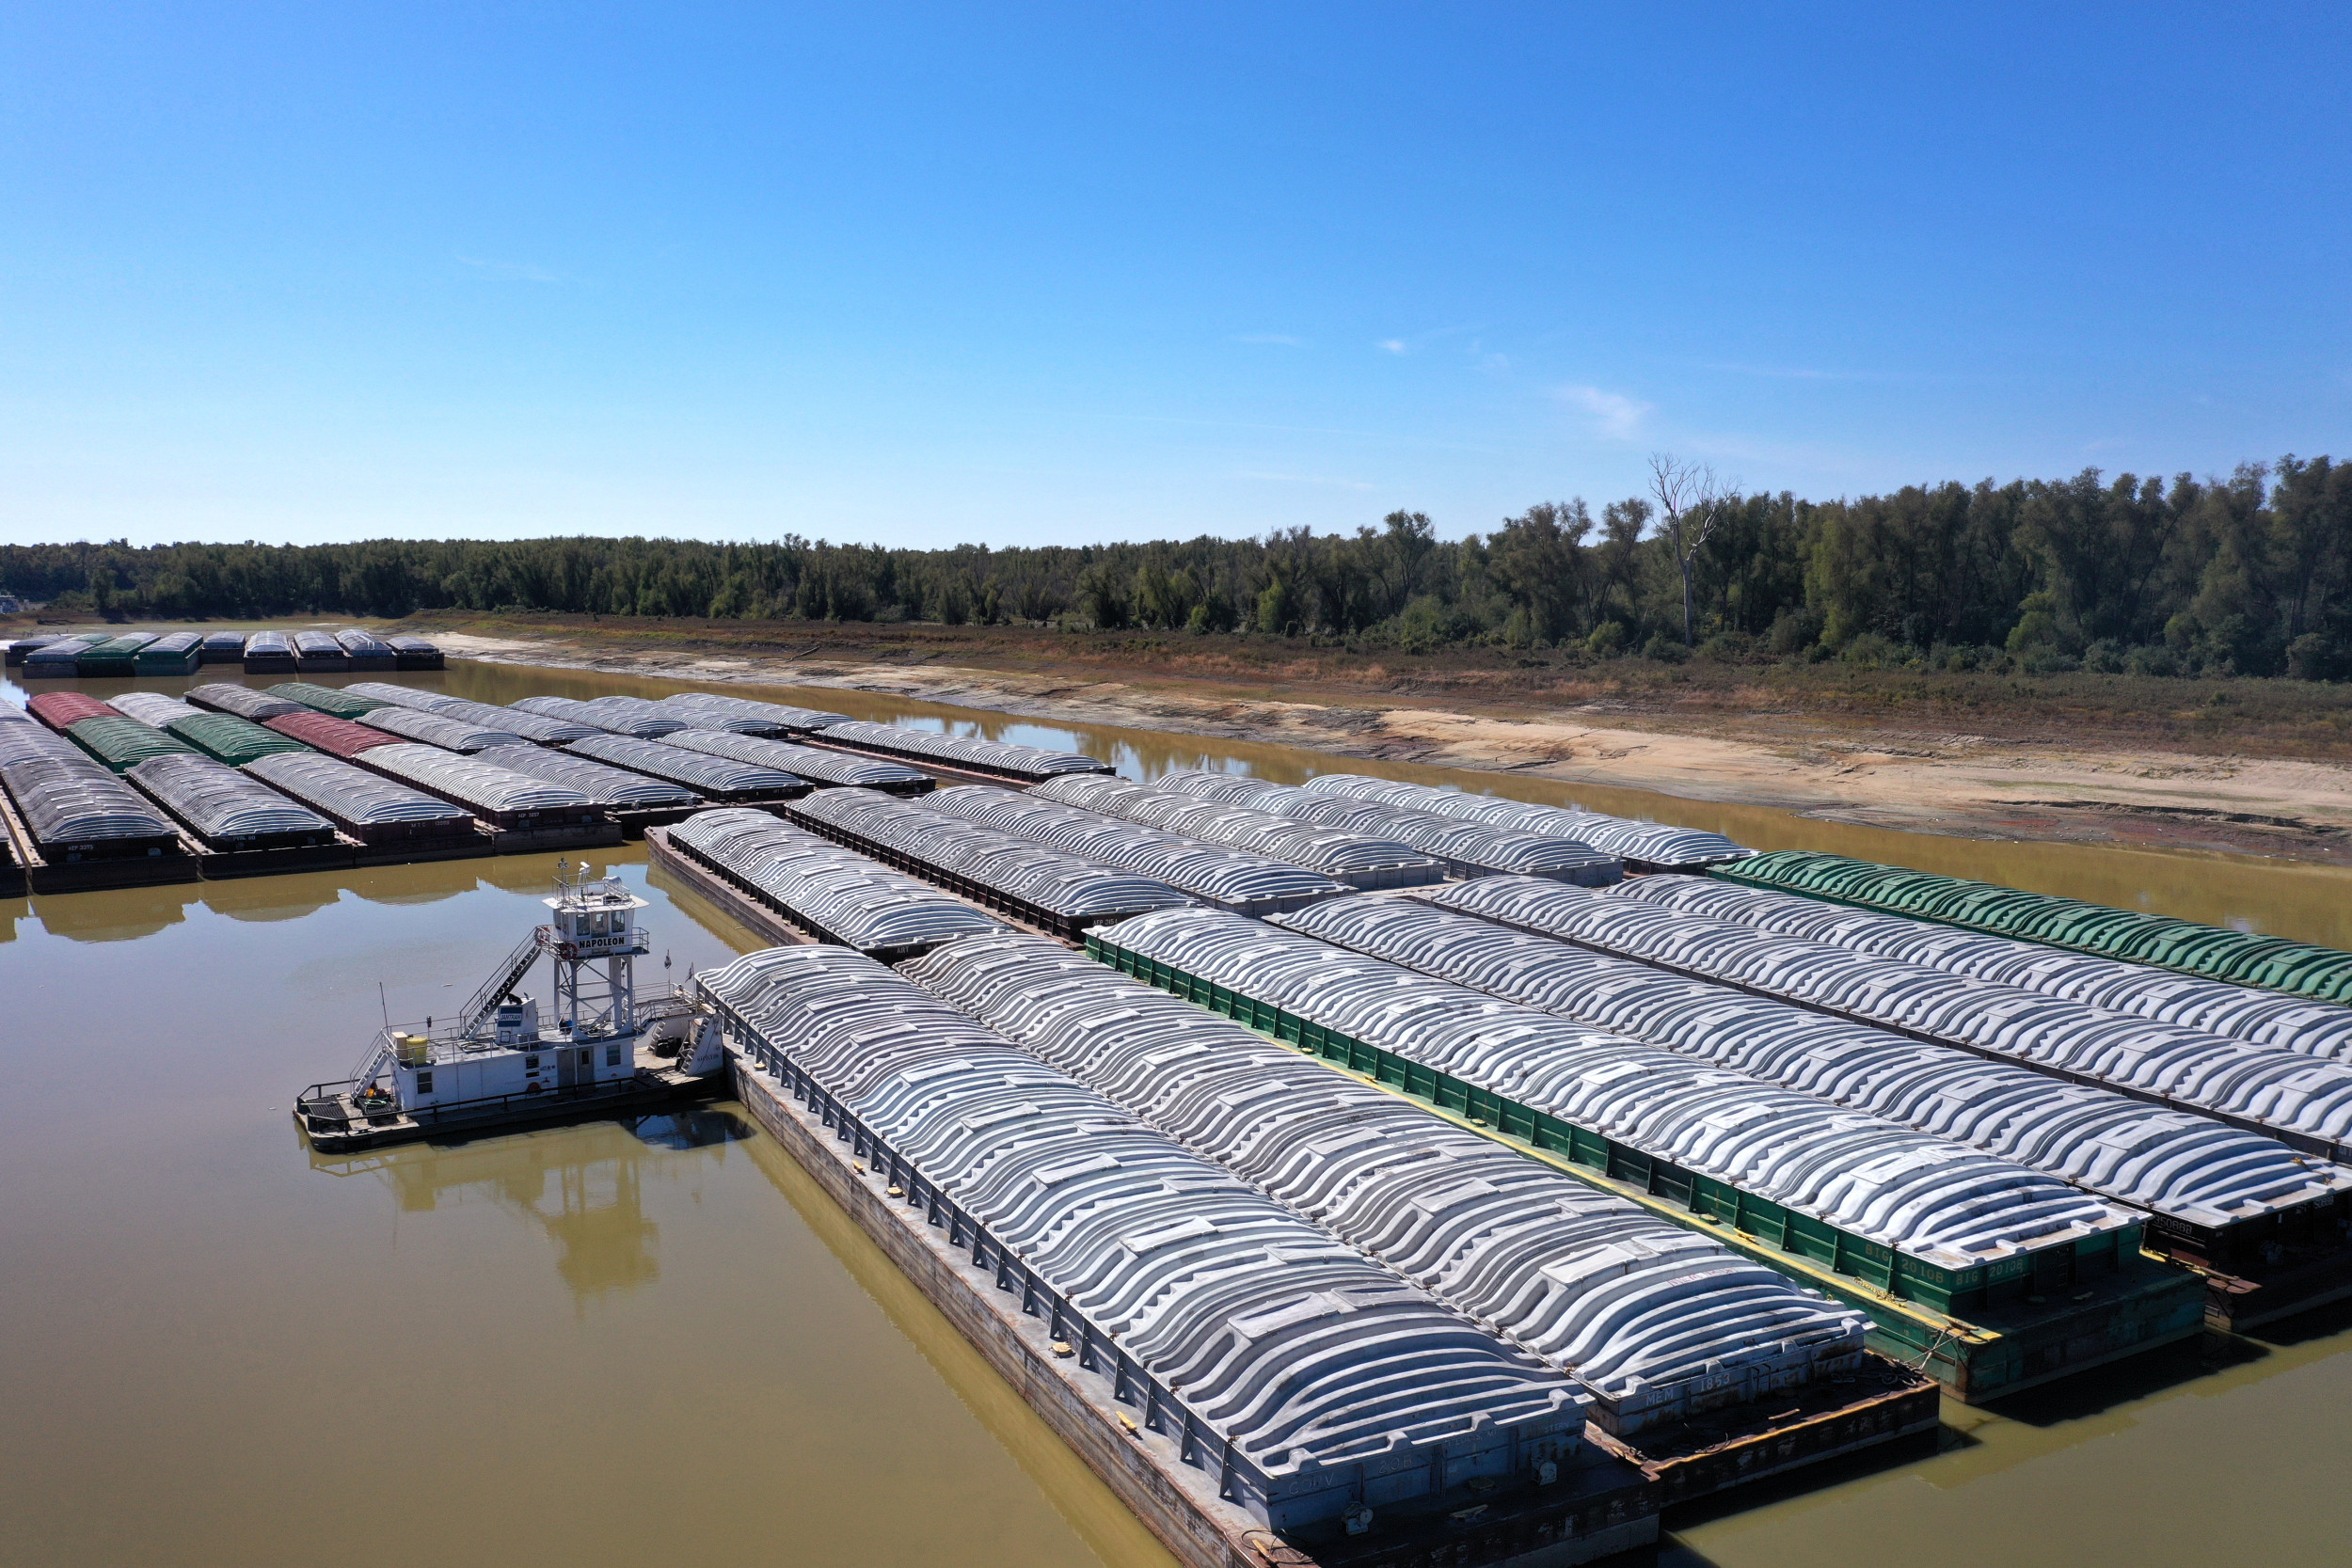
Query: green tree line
[(2249, 575)]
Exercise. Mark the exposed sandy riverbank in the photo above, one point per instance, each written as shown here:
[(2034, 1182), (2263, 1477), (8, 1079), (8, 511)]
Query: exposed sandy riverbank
[(1971, 786)]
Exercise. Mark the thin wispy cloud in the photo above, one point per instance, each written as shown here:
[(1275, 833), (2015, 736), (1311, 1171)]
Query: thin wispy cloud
[(1788, 456), (1284, 339), (1385, 437), (1307, 479), (1613, 415), (1391, 346), (509, 272), (1801, 372)]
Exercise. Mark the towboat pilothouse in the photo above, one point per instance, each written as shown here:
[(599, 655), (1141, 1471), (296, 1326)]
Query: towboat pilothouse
[(596, 1047)]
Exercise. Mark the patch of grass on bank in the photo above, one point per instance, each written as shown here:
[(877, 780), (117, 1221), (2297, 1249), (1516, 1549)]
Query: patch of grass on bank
[(1749, 696)]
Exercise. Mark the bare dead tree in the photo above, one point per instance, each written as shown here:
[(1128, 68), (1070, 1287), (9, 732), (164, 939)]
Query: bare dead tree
[(1690, 502)]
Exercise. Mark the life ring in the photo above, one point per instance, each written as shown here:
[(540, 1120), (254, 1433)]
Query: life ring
[(532, 1087)]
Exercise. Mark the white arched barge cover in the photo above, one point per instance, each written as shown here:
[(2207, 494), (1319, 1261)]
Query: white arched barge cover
[(1214, 873), (2179, 1164), (1465, 848), (1648, 843), (1069, 887), (1659, 1324), (1948, 1205), (1332, 1378), (2265, 1085), (865, 906), (1360, 860), (2249, 1013)]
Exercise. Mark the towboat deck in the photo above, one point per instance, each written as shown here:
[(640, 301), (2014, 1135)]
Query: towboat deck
[(339, 1120)]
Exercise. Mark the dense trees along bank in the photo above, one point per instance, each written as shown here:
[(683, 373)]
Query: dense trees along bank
[(2251, 575)]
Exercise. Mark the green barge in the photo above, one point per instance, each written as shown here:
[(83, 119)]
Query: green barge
[(1982, 1333)]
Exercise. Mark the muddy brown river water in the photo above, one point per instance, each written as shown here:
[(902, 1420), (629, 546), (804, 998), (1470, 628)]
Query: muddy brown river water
[(627, 1344)]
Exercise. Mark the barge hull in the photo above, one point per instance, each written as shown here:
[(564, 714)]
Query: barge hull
[(2135, 1305), (756, 914), (1599, 1507), (2235, 1304), (40, 874), (945, 772)]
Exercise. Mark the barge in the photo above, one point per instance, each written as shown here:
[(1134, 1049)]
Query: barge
[(822, 769), (1983, 1331), (1059, 893), (1463, 849), (2224, 1202), (965, 758), (2162, 941), (1706, 1371), (1487, 1467), (793, 887)]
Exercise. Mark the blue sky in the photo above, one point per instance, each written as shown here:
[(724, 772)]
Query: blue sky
[(1023, 276)]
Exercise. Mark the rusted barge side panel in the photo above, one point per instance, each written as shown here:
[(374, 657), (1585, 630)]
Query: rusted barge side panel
[(1913, 1412)]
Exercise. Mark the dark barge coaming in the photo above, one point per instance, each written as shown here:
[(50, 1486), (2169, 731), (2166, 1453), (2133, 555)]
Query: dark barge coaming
[(1598, 1507), (1877, 1410), (636, 822)]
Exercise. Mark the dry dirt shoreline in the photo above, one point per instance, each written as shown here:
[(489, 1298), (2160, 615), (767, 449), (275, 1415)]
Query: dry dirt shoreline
[(1964, 784)]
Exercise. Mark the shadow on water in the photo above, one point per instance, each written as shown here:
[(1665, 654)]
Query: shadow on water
[(2320, 1323), (698, 1127), (581, 1187), (2166, 1370), (1114, 1534), (1899, 1454)]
